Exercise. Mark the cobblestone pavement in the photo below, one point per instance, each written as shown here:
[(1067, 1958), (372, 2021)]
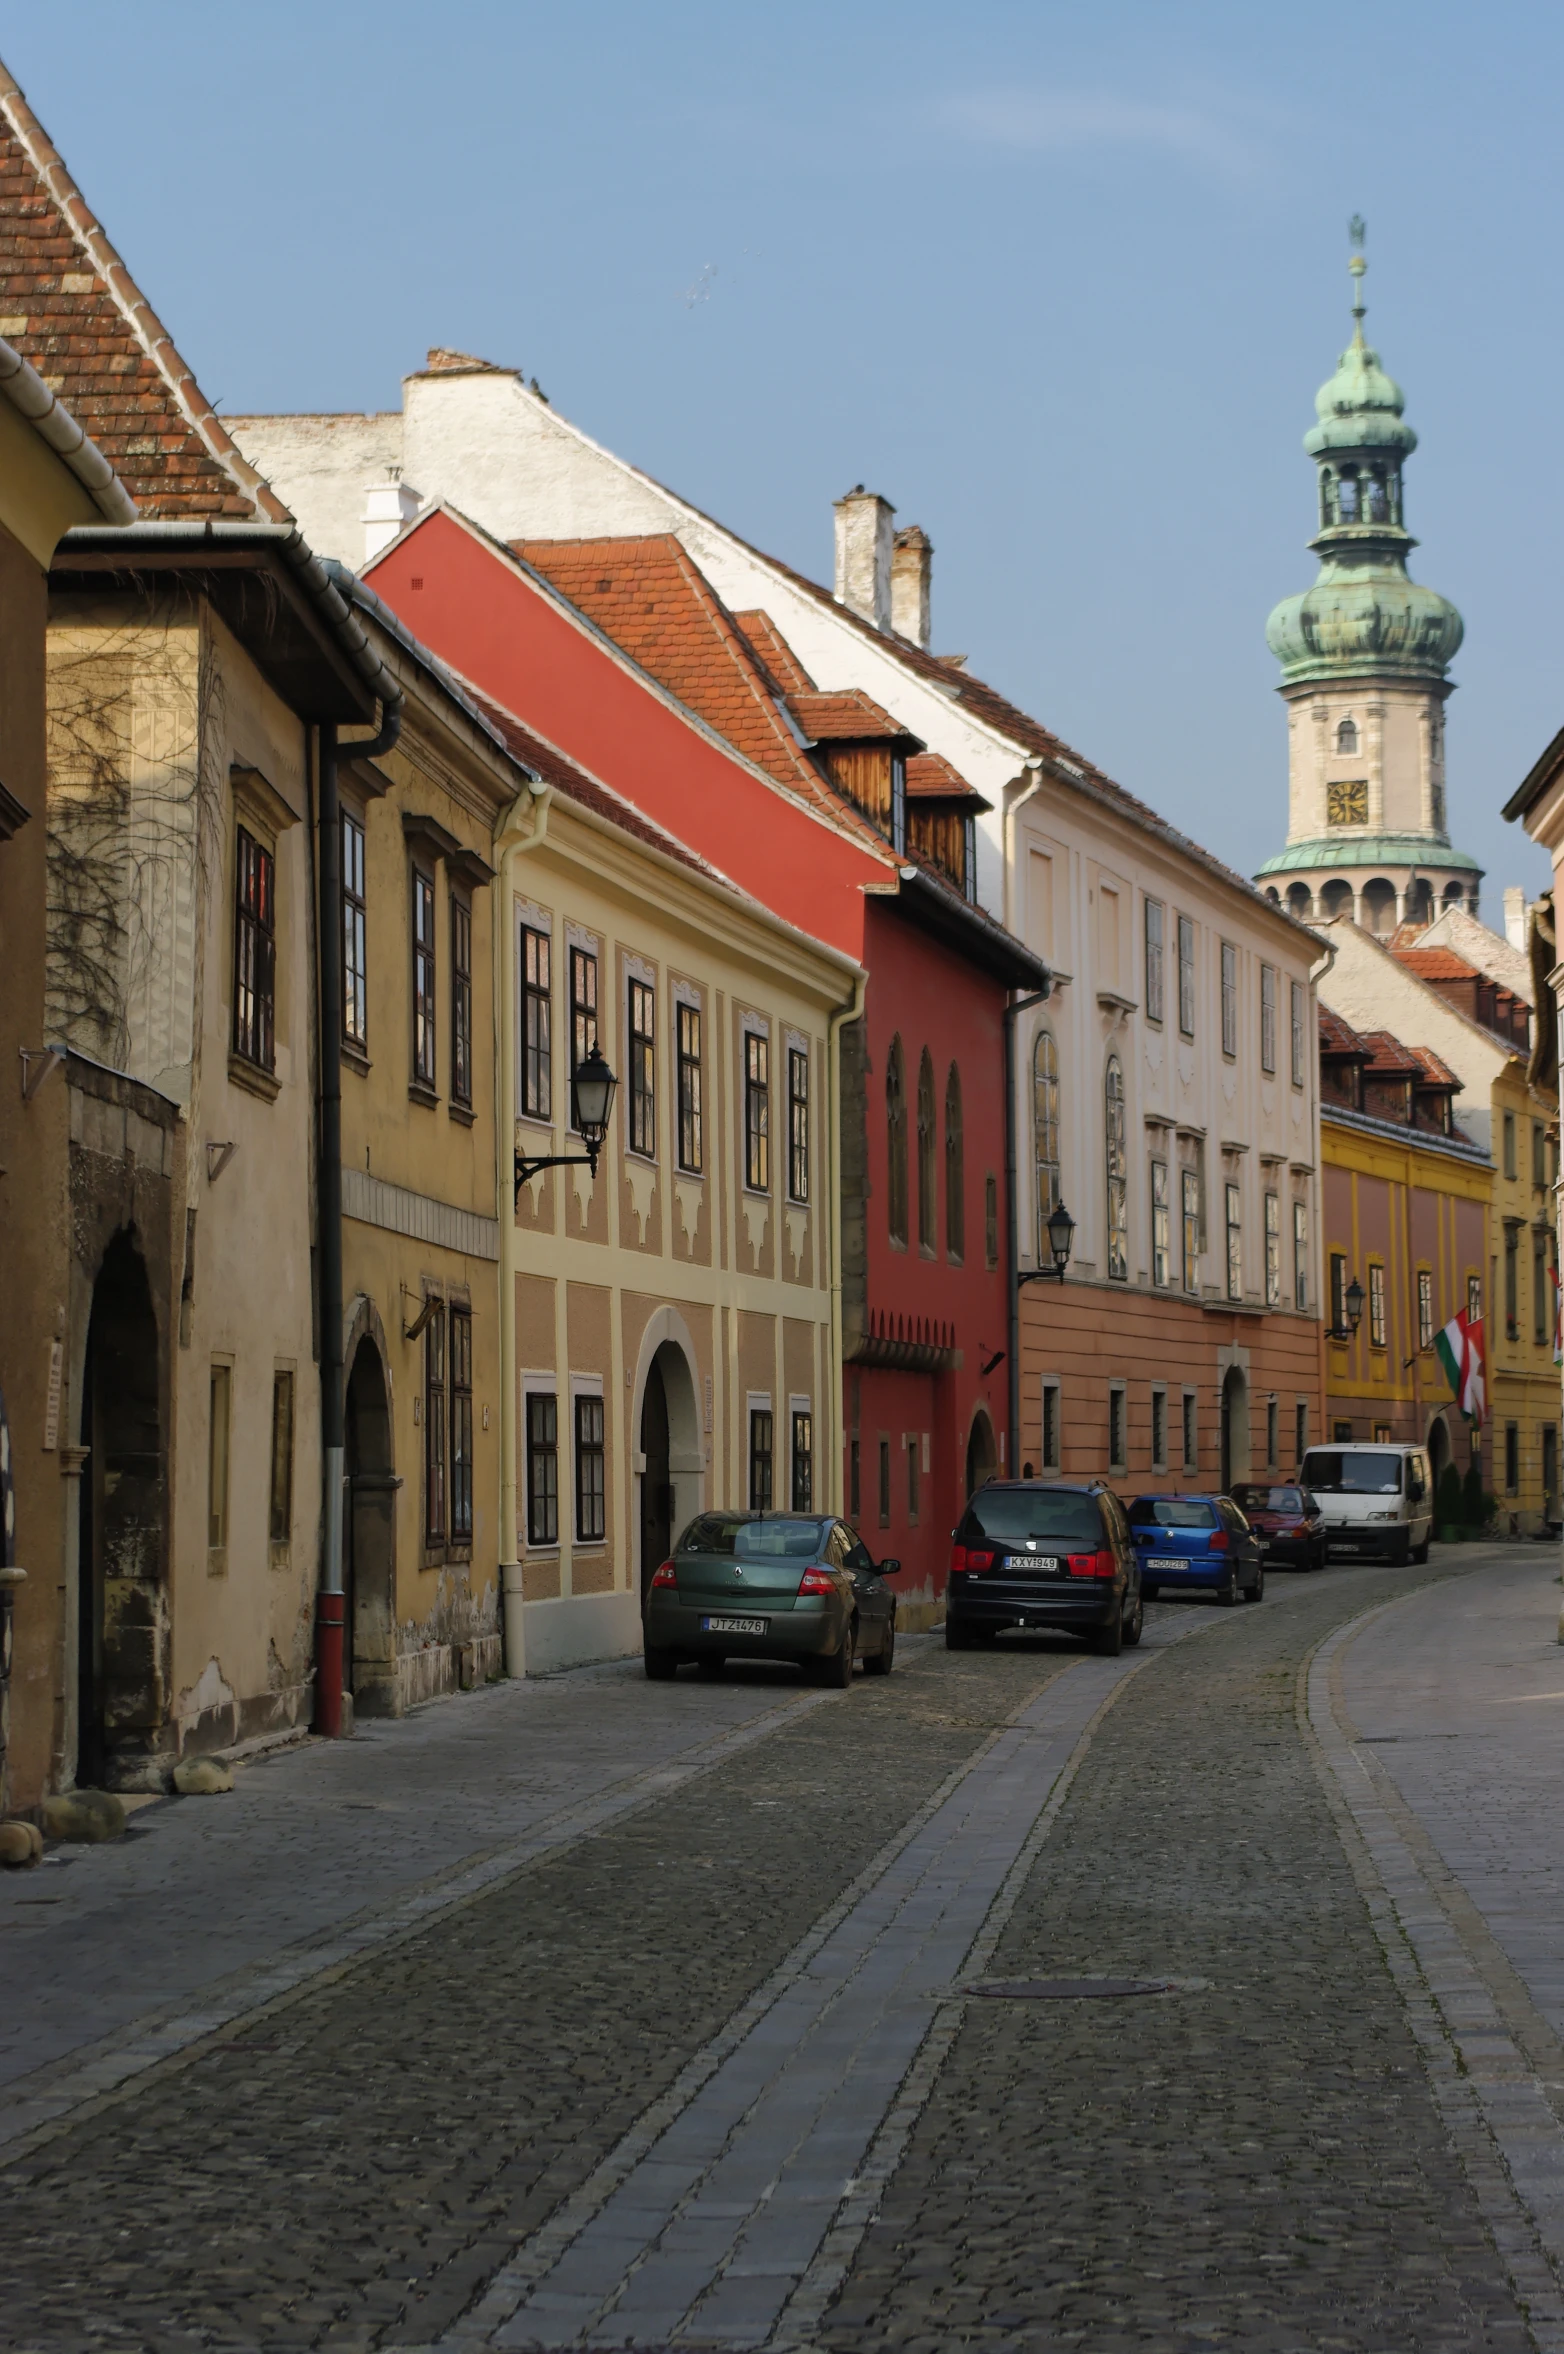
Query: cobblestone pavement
[(400, 2146)]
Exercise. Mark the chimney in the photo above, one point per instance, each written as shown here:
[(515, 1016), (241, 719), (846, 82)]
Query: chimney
[(1515, 917), (912, 562), (863, 555), (388, 506)]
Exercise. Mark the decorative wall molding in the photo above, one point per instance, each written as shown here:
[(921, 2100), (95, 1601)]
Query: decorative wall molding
[(397, 1211)]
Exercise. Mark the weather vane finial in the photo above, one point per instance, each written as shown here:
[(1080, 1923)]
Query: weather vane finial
[(1357, 230)]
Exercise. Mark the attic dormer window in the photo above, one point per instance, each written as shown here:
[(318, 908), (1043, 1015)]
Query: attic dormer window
[(1347, 735)]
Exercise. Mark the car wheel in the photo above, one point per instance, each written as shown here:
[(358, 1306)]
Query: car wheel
[(711, 1665), (957, 1638), (1135, 1622), (1321, 1555), (1255, 1593), (661, 1665), (836, 1672), (1108, 1641), (885, 1658), (1149, 1593), (1227, 1591)]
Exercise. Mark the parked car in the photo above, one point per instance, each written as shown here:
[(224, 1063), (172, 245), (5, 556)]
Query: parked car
[(1287, 1520), (1043, 1553), (797, 1586), (1188, 1543), (1378, 1500)]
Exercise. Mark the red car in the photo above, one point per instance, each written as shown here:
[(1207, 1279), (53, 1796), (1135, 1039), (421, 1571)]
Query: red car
[(1287, 1521)]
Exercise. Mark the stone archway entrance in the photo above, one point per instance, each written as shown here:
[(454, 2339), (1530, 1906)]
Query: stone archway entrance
[(369, 1534), (121, 1632), (672, 1456), (1438, 1450), (1235, 1427), (982, 1454)]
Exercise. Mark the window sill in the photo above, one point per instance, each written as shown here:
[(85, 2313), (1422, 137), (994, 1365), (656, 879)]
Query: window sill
[(432, 1557), (252, 1078), (356, 1059), (417, 1092), (689, 1176), (462, 1113)]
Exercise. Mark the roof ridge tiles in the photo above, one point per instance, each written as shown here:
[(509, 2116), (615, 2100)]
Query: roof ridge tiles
[(158, 479)]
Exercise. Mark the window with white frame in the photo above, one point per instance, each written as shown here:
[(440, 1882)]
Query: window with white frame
[(1273, 1250), (1235, 1242), (691, 1137), (1229, 998), (1161, 1227), (1300, 1256), (1186, 975), (536, 1024), (591, 1482), (1154, 921), (1268, 1017)]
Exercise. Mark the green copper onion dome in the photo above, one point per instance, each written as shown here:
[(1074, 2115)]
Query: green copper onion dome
[(1364, 617)]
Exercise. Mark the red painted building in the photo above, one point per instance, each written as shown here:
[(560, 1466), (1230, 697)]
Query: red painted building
[(826, 810)]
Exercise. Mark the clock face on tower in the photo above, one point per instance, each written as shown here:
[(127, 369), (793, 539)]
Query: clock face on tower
[(1347, 802)]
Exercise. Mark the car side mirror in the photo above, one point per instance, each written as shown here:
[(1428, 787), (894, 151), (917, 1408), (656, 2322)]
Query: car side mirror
[(888, 1567)]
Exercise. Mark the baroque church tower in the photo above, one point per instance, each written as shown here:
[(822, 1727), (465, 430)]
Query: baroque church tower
[(1364, 656)]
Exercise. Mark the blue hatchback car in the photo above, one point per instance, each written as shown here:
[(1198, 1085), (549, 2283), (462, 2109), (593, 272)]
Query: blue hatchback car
[(1187, 1543)]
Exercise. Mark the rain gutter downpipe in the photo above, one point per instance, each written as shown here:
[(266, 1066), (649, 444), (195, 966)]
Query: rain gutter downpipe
[(1013, 1010), (329, 1631)]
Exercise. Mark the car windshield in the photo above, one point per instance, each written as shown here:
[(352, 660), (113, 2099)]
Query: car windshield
[(725, 1534), (1172, 1512), (1355, 1473), (1008, 1516), (1255, 1499)]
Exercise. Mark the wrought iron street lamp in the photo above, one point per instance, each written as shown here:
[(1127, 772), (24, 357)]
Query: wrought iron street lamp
[(1354, 1307), (591, 1100), (1061, 1237)]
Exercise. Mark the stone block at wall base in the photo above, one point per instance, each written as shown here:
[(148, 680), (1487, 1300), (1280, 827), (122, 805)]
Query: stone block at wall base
[(288, 1709), (579, 1630), (427, 1674), (480, 1661)]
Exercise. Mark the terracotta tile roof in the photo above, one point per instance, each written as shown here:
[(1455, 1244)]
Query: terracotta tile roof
[(651, 599), (1388, 1058), (69, 305), (1436, 964), (848, 717), (1436, 1071), (1337, 1036), (775, 653), (930, 777), (557, 769)]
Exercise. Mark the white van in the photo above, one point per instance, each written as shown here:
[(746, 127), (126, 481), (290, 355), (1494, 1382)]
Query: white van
[(1377, 1500)]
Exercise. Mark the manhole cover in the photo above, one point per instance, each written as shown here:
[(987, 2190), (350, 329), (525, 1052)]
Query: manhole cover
[(1067, 1990)]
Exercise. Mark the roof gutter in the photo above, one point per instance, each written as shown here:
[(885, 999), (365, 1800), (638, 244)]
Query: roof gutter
[(30, 397)]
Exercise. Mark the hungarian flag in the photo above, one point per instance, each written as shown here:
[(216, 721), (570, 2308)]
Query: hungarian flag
[(1460, 1347)]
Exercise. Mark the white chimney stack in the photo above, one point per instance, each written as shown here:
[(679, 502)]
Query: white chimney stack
[(1515, 917), (863, 555), (912, 564), (388, 507)]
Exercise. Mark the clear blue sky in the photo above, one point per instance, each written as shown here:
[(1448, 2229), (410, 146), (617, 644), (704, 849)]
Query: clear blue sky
[(1060, 280)]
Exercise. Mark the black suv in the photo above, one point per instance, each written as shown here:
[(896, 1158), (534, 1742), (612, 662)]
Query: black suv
[(1044, 1553)]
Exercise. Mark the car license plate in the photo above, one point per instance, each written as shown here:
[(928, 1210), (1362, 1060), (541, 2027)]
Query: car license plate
[(1167, 1561), (1048, 1561), (733, 1626)]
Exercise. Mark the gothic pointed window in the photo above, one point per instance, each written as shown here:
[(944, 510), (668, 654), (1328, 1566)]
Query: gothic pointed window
[(1347, 735), (896, 1145), (955, 1176), (928, 1207)]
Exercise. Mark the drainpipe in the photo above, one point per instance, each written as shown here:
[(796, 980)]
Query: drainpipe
[(328, 1601), (522, 828), (836, 1389), (1016, 1007)]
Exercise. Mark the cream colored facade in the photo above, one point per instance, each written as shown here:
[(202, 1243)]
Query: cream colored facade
[(1516, 1124), (657, 1311)]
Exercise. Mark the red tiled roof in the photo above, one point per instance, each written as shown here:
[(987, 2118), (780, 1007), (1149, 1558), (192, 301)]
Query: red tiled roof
[(69, 305), (848, 716), (1436, 964), (775, 653), (1388, 1058), (557, 769), (1436, 1071), (930, 777), (650, 597), (1337, 1036)]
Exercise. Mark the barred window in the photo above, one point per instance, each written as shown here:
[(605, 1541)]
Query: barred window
[(591, 1515), (797, 1125), (537, 1079), (434, 1428), (255, 953), (691, 1140), (761, 1428), (757, 1112), (423, 980), (643, 1069), (461, 1425), (461, 1002), (355, 977), (542, 1468)]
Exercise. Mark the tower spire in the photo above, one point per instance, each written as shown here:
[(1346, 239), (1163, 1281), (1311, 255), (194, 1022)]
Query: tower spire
[(1357, 231)]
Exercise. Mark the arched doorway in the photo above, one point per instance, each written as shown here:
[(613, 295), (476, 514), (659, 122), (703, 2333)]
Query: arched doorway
[(1438, 1449), (369, 1539), (123, 1555), (673, 1457), (1235, 1427), (982, 1454)]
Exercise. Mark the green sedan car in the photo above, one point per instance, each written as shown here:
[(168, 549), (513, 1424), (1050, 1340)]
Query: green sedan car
[(773, 1585)]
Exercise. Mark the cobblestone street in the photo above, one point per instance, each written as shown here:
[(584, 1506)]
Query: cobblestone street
[(604, 2013)]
